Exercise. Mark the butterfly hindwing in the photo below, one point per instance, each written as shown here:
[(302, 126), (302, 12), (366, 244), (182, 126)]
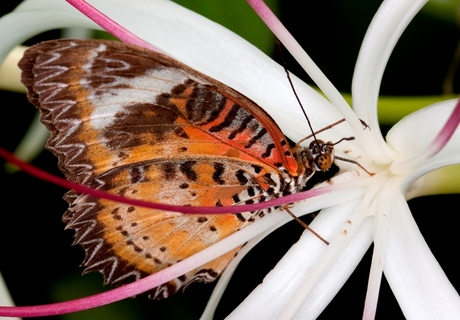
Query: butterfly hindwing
[(125, 242)]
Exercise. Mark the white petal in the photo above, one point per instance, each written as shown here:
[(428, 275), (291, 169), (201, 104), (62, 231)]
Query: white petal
[(415, 276), (281, 283), (33, 17), (384, 31), (415, 133)]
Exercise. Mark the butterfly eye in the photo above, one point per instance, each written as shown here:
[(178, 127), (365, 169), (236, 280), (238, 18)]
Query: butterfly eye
[(323, 161), (326, 147), (316, 146)]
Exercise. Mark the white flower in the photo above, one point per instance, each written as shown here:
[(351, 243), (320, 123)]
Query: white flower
[(359, 209)]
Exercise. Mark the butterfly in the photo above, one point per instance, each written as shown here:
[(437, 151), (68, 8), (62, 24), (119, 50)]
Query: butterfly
[(140, 124)]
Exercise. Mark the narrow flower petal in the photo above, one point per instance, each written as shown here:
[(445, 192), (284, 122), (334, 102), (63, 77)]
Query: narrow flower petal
[(381, 227), (385, 30), (415, 277), (445, 134), (10, 73), (225, 277), (441, 181), (32, 143), (415, 133), (327, 262)]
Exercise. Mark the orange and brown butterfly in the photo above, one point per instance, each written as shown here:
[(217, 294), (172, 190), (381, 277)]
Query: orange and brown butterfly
[(139, 124)]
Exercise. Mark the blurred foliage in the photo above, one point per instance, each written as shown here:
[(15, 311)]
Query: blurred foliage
[(443, 10)]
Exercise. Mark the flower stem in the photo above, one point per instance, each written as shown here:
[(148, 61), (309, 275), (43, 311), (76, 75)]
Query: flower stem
[(109, 25), (306, 62)]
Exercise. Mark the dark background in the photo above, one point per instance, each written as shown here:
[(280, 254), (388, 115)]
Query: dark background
[(40, 265)]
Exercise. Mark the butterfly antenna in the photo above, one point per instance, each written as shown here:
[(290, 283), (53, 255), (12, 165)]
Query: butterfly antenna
[(354, 162), (349, 160), (313, 133), (321, 130), (283, 62)]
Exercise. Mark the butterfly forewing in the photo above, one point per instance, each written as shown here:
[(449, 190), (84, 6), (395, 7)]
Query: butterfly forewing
[(137, 123)]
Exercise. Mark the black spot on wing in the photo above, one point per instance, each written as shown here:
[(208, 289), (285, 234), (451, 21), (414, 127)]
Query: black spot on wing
[(240, 217), (169, 170), (257, 168), (115, 214), (135, 247), (240, 175), (179, 89), (179, 131), (187, 169), (219, 169), (268, 150), (269, 180), (136, 175)]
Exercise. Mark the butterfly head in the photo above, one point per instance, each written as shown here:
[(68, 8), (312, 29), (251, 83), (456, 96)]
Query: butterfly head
[(323, 154)]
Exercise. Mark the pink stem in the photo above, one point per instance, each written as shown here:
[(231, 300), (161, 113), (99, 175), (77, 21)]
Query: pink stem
[(447, 131), (117, 294), (109, 25), (34, 171), (271, 21)]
